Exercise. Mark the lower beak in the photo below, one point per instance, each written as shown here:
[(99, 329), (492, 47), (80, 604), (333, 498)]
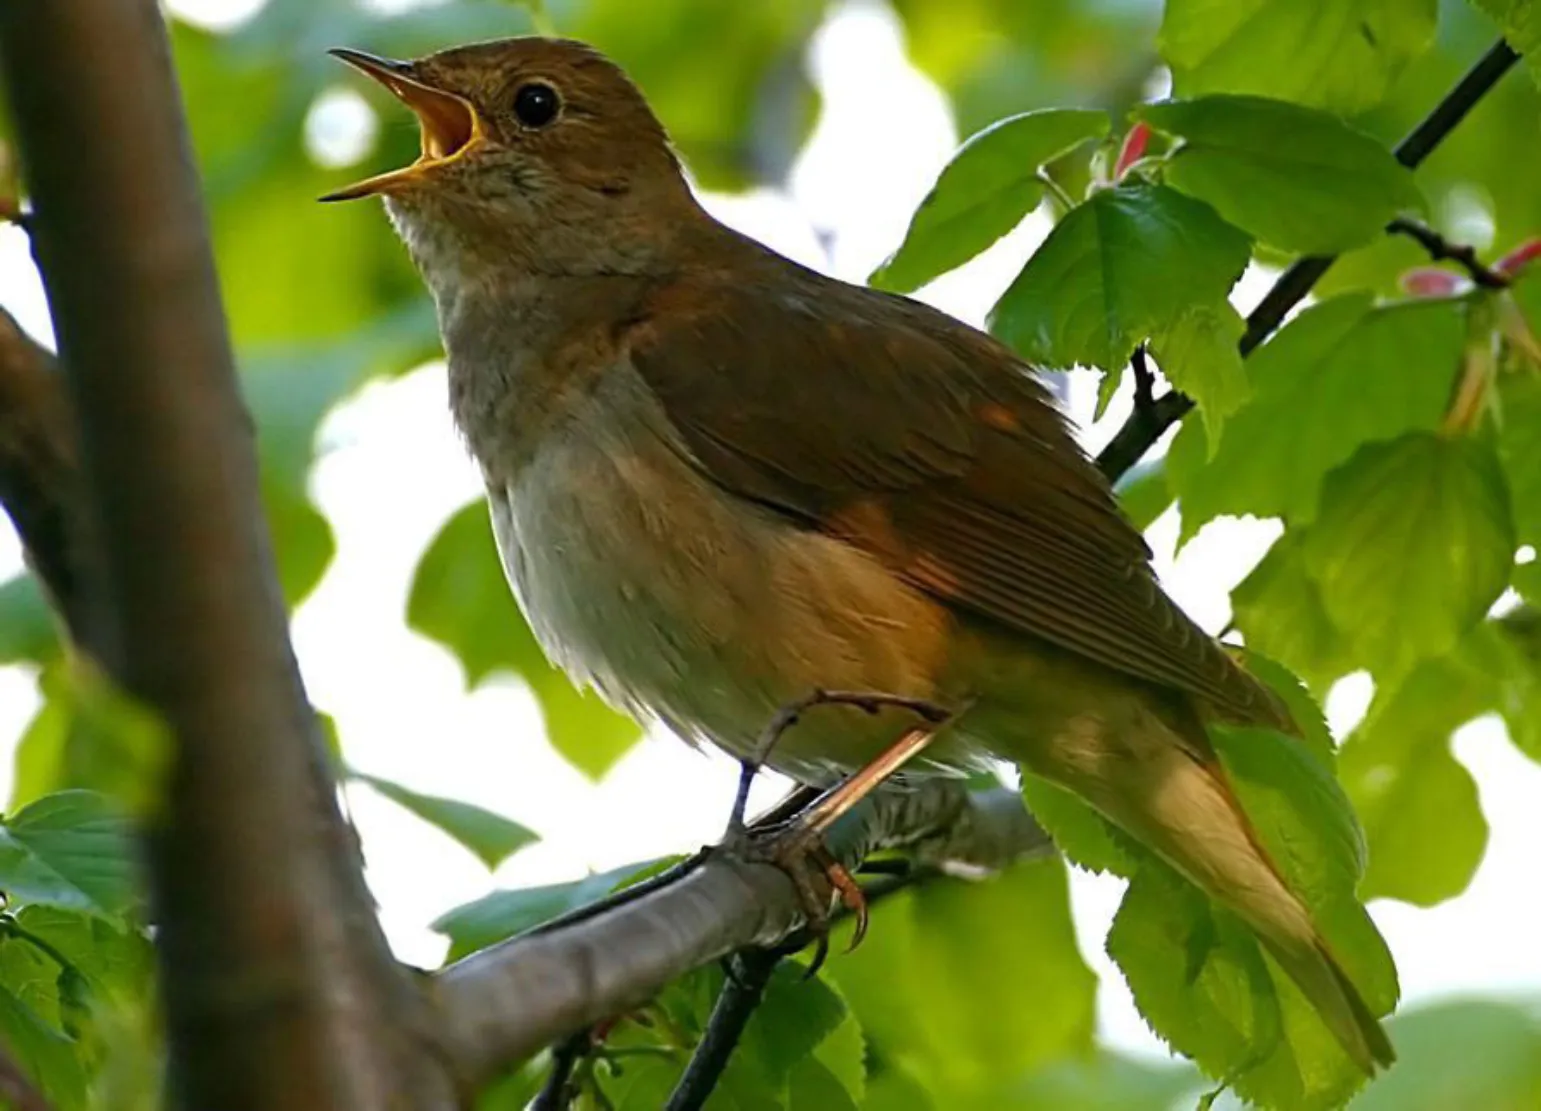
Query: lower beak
[(448, 123)]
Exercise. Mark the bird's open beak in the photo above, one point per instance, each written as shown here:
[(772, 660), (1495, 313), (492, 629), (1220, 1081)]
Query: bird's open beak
[(449, 124)]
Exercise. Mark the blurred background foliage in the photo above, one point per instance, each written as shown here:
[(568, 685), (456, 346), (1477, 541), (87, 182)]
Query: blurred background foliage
[(964, 996)]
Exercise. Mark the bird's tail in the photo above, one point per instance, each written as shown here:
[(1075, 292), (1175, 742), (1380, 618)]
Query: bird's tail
[(1178, 803)]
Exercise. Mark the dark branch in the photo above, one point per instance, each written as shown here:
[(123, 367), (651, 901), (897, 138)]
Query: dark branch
[(749, 973), (1144, 380), (278, 986), (592, 969), (1441, 249), (39, 471), (1141, 431), (559, 1090)]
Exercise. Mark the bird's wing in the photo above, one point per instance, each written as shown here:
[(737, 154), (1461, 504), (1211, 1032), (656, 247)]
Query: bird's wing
[(902, 431)]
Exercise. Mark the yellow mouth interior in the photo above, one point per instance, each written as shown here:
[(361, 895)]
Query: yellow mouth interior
[(447, 124)]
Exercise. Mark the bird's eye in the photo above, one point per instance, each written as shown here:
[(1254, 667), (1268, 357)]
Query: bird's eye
[(536, 104)]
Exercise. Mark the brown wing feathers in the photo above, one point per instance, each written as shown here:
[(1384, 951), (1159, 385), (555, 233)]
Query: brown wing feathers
[(929, 444)]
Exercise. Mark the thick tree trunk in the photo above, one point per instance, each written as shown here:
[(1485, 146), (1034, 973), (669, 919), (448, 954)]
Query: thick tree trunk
[(280, 991)]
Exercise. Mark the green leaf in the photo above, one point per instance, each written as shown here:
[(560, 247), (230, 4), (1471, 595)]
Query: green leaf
[(90, 734), (50, 1056), (502, 914), (1314, 733), (70, 850), (1086, 838), (1278, 608), (1198, 975), (1144, 493), (1519, 446), (1521, 23), (1420, 810), (1198, 354), (28, 631), (1459, 1054), (1413, 544), (1296, 178), (1105, 1082), (1343, 373), (1518, 637), (461, 600), (1124, 264), (987, 189), (491, 837), (1343, 57), (970, 954)]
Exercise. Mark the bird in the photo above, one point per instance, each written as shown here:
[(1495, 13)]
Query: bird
[(719, 480)]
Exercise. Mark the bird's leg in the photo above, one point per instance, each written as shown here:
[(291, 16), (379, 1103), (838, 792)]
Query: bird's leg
[(798, 848), (795, 843), (788, 716)]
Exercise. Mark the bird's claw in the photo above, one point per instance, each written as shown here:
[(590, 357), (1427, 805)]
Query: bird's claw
[(816, 875)]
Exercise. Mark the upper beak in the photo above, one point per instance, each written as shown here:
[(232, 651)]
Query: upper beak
[(449, 124)]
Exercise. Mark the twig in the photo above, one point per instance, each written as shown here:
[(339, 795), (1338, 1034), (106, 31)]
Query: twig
[(1441, 249), (1144, 381), (748, 977), (615, 961), (790, 714), (1143, 428), (558, 1092)]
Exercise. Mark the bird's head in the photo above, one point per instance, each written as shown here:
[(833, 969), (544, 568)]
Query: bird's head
[(537, 152)]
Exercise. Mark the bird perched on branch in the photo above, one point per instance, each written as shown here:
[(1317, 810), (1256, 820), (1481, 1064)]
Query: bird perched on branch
[(720, 480)]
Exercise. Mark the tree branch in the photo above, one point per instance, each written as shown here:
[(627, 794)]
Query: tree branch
[(1144, 427), (1441, 249), (39, 470), (749, 974), (279, 989), (602, 965)]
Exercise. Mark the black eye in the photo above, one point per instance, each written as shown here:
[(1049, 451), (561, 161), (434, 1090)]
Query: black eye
[(536, 104)]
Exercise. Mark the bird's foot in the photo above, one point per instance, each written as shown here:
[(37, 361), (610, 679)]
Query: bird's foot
[(799, 850)]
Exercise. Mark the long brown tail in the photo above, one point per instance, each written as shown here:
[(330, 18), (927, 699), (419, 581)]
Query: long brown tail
[(1179, 804)]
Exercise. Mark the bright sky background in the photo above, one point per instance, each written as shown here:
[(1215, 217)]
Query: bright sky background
[(392, 470)]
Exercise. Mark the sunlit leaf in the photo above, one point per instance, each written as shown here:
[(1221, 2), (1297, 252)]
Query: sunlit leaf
[(1278, 608), (461, 599), (1297, 178), (1117, 268), (1420, 810), (502, 914), (1198, 354), (1343, 373), (990, 185), (491, 837), (1463, 1053), (1320, 52), (70, 850), (970, 954), (1412, 545)]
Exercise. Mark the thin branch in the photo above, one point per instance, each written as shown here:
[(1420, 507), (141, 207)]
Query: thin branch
[(279, 989), (1143, 428), (1144, 380), (749, 974), (604, 965), (558, 1092), (39, 470), (1441, 249)]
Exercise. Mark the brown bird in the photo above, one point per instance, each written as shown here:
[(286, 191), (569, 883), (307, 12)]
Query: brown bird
[(720, 481)]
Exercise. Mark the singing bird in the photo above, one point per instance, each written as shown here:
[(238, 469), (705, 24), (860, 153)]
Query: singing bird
[(720, 480)]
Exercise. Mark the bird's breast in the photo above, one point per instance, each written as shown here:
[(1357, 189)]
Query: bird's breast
[(676, 599)]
